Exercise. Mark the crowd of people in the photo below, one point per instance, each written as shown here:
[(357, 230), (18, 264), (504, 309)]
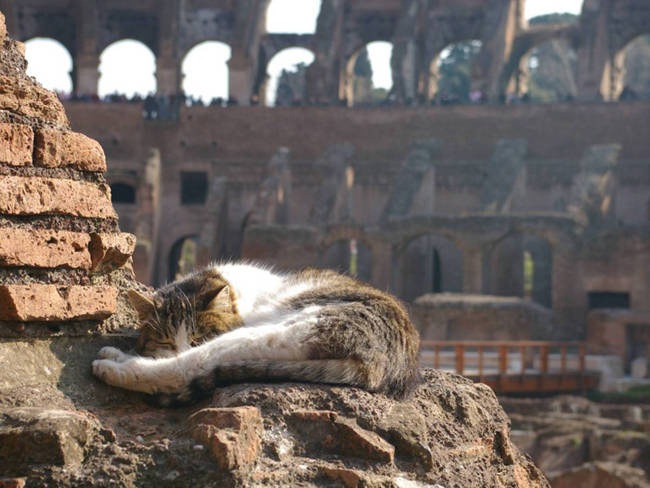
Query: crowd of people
[(167, 107)]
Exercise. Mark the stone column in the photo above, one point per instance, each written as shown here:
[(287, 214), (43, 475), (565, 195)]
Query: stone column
[(87, 70), (381, 265), (472, 270), (240, 77), (596, 65), (168, 75), (87, 59), (503, 21)]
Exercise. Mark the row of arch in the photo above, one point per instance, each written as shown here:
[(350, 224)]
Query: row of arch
[(516, 265), (551, 69)]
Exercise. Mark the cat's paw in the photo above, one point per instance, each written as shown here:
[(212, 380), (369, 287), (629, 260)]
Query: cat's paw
[(108, 371), (112, 353)]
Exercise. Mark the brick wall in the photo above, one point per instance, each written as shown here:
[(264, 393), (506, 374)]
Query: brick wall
[(62, 255)]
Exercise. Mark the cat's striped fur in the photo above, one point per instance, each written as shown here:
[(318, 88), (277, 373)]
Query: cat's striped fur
[(239, 322)]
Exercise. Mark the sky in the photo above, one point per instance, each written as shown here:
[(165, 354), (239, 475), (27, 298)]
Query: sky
[(204, 67)]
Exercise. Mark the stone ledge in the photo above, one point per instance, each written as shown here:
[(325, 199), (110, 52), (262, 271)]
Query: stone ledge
[(16, 144), (20, 195), (57, 149), (48, 303)]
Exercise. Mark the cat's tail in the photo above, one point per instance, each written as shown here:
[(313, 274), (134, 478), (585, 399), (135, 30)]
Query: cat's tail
[(332, 371)]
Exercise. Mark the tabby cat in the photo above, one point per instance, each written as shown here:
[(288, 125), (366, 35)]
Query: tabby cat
[(236, 323)]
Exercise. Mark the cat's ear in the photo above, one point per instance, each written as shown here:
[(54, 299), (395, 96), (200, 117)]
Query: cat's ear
[(142, 304), (219, 300)]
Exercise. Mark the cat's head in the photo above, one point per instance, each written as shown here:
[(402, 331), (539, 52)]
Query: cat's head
[(178, 317)]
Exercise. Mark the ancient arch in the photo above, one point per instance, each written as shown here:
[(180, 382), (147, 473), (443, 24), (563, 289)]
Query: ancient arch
[(451, 73), (286, 71), (349, 256), (429, 263), (182, 257), (367, 78), (205, 72), (135, 77), (552, 67), (519, 265), (50, 62)]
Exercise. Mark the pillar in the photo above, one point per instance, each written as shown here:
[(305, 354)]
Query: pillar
[(472, 270), (240, 77)]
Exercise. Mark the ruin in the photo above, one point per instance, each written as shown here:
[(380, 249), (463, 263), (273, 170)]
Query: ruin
[(65, 268), (431, 200), (545, 203)]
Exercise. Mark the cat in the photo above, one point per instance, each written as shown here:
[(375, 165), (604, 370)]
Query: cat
[(234, 323)]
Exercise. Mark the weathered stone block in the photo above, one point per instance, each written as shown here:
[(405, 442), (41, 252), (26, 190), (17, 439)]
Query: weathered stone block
[(23, 96), (31, 435), (231, 434), (350, 478), (3, 28), (110, 251), (16, 144), (35, 195), (35, 302), (342, 435), (44, 248), (55, 149)]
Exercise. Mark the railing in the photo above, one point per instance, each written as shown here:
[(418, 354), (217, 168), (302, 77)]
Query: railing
[(498, 363)]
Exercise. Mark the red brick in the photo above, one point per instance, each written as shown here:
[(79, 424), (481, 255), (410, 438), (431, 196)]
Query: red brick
[(110, 251), (16, 144), (231, 434), (23, 96), (47, 303), (56, 149), (44, 248), (21, 195)]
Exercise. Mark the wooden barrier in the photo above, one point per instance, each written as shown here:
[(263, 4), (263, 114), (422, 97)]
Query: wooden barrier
[(514, 366)]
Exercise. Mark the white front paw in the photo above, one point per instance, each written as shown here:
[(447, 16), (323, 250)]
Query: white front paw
[(108, 371), (112, 353)]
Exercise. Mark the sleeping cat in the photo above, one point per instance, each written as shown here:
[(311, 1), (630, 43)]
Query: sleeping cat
[(235, 323)]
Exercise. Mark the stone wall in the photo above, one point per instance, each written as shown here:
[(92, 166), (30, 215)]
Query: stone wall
[(457, 317)]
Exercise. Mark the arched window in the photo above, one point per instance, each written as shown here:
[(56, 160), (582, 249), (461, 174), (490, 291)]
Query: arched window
[(127, 68), (553, 68), (182, 257), (50, 63), (351, 257), (286, 76), (370, 75), (636, 83), (453, 70), (122, 193), (292, 17), (205, 72), (520, 266), (429, 264)]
